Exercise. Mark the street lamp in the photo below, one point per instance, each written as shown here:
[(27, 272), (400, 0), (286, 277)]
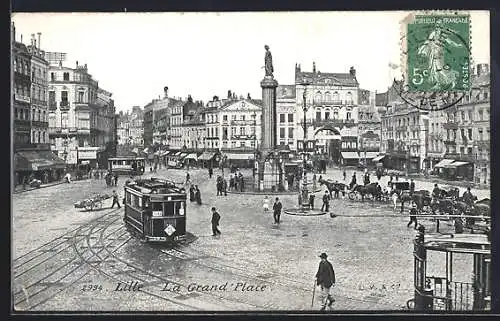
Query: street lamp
[(304, 109)]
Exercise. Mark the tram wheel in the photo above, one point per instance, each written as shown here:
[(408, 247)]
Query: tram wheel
[(352, 196)]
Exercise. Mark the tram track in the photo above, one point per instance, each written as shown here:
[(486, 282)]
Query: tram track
[(38, 289), (63, 237), (149, 278)]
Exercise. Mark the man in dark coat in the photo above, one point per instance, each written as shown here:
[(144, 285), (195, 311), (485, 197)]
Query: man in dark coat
[(412, 186), (326, 202), (468, 198), (311, 200), (224, 186), (191, 194), (210, 172), (197, 195), (277, 210), (325, 278), (215, 222), (413, 215), (353, 181)]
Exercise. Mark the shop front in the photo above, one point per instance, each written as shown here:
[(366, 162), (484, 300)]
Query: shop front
[(349, 158), (39, 164)]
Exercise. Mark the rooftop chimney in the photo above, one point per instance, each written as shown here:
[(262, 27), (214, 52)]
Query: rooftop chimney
[(13, 32), (165, 90), (314, 67), (39, 35), (21, 38), (77, 64)]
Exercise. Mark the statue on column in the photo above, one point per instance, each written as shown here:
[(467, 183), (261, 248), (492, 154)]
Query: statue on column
[(268, 62)]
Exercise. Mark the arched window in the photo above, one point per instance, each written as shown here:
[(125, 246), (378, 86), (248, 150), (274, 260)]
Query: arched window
[(348, 97), (317, 97), (335, 97), (328, 97)]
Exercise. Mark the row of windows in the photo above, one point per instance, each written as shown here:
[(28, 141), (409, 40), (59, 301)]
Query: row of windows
[(21, 66), (331, 97), (282, 118), (290, 132), (22, 90), (39, 137), (327, 116), (482, 134)]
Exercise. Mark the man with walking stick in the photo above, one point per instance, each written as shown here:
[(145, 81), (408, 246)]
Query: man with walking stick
[(325, 278)]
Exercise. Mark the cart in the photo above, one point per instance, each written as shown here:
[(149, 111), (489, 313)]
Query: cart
[(92, 203)]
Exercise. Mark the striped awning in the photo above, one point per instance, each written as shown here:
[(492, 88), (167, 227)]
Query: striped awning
[(349, 155), (192, 156), (444, 162)]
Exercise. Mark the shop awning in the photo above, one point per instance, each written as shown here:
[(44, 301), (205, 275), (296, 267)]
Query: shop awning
[(177, 153), (206, 156), (238, 156), (349, 155), (369, 155), (182, 155), (444, 162), (378, 158), (192, 156), (37, 160), (456, 164), (165, 153)]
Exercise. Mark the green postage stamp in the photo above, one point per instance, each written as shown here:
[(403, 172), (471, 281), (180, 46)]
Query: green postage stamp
[(436, 52)]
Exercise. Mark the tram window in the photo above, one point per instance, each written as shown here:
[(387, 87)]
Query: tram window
[(136, 201), (169, 209), (140, 202), (156, 206), (129, 197), (179, 208)]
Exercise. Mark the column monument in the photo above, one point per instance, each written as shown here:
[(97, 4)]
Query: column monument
[(268, 127)]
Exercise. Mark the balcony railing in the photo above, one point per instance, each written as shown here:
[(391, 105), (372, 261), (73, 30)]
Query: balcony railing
[(22, 98), (52, 105), (62, 130), (243, 122), (333, 122), (234, 137), (333, 102), (450, 125), (449, 142), (64, 105)]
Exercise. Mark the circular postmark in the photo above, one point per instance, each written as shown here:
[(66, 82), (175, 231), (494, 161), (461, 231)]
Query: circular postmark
[(428, 47)]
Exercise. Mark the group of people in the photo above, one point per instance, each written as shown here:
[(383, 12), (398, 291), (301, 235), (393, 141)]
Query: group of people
[(236, 181), (195, 194), (221, 185), (111, 179)]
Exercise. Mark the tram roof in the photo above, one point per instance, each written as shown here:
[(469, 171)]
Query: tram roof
[(155, 186)]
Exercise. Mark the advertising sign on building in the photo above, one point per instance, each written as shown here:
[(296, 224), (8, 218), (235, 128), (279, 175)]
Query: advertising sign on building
[(87, 154), (71, 157)]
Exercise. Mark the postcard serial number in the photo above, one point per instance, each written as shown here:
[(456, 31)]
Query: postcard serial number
[(91, 287)]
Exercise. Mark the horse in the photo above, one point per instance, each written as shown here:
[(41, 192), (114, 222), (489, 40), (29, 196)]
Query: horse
[(335, 187), (421, 197), (370, 189)]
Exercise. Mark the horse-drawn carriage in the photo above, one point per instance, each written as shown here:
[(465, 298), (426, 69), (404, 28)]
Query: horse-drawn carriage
[(92, 203)]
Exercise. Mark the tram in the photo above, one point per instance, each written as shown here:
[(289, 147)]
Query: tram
[(127, 165), (437, 285), (155, 210)]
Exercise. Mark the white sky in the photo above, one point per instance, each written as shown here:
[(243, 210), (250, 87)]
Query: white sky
[(134, 55)]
